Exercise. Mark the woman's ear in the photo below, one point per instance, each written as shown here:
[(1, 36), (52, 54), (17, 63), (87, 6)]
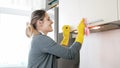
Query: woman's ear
[(39, 22)]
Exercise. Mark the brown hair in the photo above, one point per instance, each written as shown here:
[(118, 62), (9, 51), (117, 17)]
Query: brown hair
[(31, 27)]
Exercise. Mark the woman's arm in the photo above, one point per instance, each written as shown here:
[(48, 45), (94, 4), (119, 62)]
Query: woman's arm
[(47, 45)]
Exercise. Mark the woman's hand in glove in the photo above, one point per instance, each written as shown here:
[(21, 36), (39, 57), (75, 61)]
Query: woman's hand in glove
[(66, 34), (80, 29)]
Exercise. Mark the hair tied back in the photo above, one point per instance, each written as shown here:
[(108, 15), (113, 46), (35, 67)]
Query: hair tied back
[(29, 30)]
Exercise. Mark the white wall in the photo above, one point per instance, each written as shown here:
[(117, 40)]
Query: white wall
[(101, 50)]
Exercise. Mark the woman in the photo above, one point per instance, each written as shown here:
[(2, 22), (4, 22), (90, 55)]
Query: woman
[(44, 50)]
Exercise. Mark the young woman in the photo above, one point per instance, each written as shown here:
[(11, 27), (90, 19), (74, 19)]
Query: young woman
[(44, 50)]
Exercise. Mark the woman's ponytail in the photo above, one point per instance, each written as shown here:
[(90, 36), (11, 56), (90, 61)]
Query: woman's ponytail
[(29, 30)]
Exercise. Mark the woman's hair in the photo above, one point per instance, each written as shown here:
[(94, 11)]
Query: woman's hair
[(31, 28)]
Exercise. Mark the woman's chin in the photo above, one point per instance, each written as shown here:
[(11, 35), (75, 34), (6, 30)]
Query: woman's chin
[(51, 30)]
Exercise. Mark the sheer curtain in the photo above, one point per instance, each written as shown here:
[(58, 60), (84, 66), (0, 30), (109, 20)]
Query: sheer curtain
[(14, 45)]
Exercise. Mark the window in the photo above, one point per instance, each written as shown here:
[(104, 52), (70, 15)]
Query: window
[(51, 14), (14, 44)]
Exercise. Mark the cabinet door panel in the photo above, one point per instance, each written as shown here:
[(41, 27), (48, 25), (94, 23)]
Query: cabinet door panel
[(119, 8), (95, 10)]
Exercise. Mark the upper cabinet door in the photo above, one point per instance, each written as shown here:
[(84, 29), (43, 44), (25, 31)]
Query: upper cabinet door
[(119, 8), (97, 10)]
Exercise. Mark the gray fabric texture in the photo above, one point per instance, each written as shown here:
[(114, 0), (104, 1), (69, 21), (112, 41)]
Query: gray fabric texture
[(44, 51)]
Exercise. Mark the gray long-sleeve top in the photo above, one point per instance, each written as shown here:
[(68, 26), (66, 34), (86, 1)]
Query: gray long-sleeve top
[(44, 51)]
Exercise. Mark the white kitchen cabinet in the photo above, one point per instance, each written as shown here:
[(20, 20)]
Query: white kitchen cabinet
[(119, 8), (96, 10), (71, 12), (68, 13)]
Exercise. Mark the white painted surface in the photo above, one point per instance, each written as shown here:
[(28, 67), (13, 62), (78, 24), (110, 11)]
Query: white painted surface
[(68, 13), (71, 11), (98, 9), (119, 8), (101, 50)]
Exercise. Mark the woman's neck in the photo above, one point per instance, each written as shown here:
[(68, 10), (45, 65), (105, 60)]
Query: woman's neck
[(44, 33)]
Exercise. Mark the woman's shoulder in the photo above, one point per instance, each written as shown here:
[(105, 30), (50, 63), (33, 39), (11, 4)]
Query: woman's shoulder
[(43, 38)]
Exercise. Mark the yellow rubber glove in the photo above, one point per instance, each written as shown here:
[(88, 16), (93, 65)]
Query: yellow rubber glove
[(66, 34), (80, 29)]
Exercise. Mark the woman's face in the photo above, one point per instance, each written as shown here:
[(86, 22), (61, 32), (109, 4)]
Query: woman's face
[(47, 24)]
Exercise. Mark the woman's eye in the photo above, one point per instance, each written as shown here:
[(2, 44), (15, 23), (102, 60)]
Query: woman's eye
[(48, 19)]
